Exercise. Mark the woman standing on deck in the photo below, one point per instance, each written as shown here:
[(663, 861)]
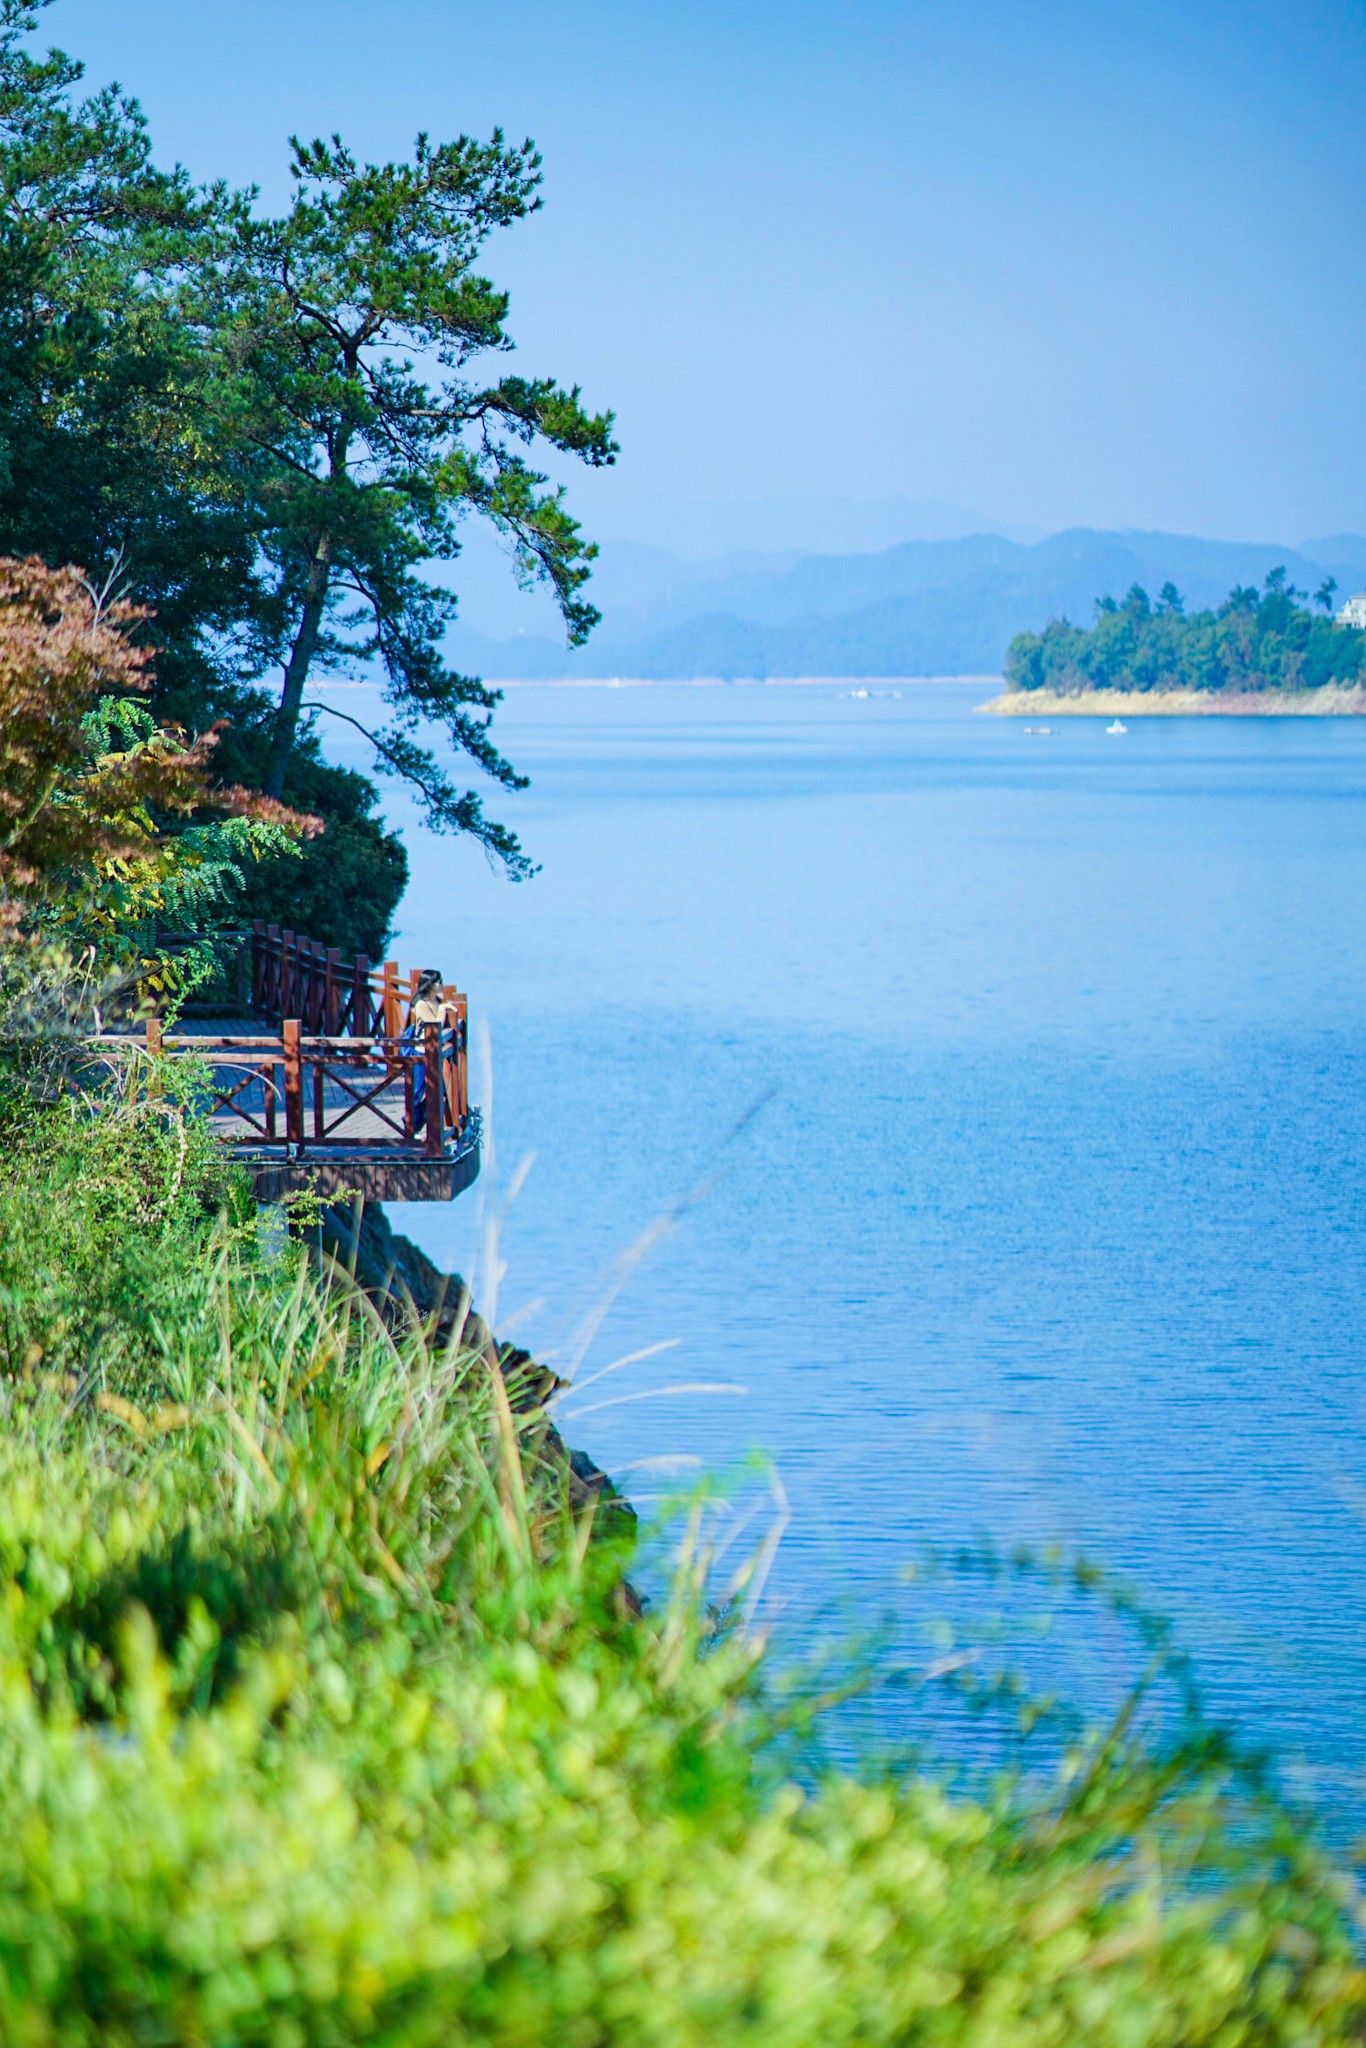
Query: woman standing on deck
[(429, 1006)]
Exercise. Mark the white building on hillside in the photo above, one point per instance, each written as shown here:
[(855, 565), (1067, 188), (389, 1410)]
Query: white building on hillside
[(1353, 613)]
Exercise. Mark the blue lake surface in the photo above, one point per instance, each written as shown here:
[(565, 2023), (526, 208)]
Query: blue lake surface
[(1050, 1225)]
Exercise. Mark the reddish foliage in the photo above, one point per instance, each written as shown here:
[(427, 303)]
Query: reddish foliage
[(61, 805)]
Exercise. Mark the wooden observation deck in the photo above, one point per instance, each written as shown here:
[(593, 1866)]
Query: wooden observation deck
[(337, 1090)]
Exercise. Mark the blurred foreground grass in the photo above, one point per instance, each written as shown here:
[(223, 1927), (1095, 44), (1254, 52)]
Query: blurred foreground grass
[(323, 1718)]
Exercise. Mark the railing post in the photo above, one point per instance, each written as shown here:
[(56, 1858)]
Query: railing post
[(390, 1012), (318, 1097), (153, 1047), (434, 1091), (360, 997), (269, 1074), (241, 977), (450, 1069), (332, 994), (274, 958), (294, 1082)]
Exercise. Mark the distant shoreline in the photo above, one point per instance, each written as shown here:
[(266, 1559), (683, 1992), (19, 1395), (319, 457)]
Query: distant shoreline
[(728, 682), (1332, 701)]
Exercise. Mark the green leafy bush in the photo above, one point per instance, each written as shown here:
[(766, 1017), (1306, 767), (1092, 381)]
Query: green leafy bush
[(103, 1212), (343, 887)]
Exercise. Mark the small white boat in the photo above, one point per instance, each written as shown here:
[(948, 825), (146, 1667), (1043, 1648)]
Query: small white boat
[(1040, 732), (1118, 726)]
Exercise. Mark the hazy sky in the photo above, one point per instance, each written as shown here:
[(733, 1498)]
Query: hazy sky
[(1061, 260)]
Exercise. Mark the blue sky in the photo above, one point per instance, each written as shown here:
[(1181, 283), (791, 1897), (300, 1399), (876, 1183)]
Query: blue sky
[(1065, 263)]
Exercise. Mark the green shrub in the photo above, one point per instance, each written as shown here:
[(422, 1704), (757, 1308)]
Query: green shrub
[(105, 1210), (342, 888)]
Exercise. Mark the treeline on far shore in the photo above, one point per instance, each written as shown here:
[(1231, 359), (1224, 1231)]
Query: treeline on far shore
[(1271, 639)]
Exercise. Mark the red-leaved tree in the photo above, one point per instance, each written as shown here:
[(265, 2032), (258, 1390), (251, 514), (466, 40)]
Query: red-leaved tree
[(72, 800)]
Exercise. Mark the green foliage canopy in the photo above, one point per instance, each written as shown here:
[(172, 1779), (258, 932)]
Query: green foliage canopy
[(358, 467), (103, 461), (268, 430)]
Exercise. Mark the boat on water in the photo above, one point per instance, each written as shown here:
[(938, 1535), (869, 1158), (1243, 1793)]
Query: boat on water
[(1040, 732), (1118, 726)]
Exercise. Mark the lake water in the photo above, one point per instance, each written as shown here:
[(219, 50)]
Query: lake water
[(1050, 1224)]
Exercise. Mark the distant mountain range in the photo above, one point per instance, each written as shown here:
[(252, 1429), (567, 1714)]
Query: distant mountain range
[(926, 607), (820, 524)]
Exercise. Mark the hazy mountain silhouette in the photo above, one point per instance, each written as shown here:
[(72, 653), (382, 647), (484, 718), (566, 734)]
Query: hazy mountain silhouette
[(942, 607), (814, 525)]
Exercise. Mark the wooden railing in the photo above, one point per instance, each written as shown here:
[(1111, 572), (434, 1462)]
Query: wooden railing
[(304, 1092), (328, 995), (339, 1091)]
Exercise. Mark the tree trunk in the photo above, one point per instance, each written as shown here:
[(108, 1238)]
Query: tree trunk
[(296, 674)]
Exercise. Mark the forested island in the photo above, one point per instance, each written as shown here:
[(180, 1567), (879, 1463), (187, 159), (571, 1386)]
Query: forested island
[(1269, 651)]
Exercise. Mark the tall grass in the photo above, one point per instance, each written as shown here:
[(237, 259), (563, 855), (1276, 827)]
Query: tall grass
[(323, 1719)]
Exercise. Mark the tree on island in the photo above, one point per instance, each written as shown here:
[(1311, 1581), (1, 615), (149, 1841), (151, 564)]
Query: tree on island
[(1258, 640)]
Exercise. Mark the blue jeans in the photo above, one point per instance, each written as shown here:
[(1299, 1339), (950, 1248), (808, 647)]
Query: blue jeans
[(412, 1038)]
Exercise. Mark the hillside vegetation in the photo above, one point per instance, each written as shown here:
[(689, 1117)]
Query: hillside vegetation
[(323, 1718)]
